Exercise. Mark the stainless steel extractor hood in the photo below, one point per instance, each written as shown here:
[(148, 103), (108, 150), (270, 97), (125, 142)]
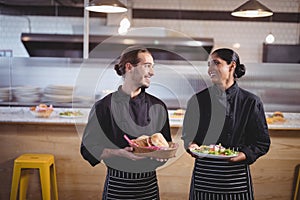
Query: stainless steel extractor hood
[(71, 46)]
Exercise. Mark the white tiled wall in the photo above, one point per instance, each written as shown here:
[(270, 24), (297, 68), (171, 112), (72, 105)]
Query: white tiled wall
[(222, 5), (11, 28), (250, 35)]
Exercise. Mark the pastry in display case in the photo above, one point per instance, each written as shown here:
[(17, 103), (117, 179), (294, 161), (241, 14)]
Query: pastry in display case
[(275, 117), (41, 110)]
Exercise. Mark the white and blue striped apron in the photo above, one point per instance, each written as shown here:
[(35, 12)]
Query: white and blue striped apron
[(220, 180), (133, 186)]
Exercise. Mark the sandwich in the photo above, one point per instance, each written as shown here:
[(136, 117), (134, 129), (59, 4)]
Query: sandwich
[(142, 141), (278, 114), (278, 117), (275, 117), (155, 140), (158, 140)]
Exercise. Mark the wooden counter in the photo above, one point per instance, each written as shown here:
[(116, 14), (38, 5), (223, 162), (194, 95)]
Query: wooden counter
[(272, 174)]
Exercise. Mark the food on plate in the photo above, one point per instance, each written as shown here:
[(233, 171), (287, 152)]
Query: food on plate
[(142, 141), (155, 140), (278, 114), (41, 110), (179, 113), (71, 113), (214, 149), (154, 146), (158, 140), (275, 117)]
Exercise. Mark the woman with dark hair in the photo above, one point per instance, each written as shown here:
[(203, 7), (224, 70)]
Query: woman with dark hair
[(233, 117), (128, 111)]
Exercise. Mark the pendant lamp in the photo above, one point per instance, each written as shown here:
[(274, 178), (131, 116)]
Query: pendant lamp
[(252, 9), (106, 6)]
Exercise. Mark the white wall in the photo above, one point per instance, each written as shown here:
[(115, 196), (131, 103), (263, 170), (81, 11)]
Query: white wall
[(11, 28), (250, 35)]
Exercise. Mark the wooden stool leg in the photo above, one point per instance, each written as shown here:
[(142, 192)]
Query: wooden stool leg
[(23, 184), (297, 183), (45, 182), (15, 183), (53, 182)]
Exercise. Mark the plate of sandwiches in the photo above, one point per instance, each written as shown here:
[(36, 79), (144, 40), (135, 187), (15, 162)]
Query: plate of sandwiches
[(276, 117), (154, 146)]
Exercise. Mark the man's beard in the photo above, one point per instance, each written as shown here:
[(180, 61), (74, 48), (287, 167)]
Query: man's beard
[(144, 86)]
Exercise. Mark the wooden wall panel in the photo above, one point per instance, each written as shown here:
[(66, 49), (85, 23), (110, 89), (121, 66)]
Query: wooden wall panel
[(272, 174)]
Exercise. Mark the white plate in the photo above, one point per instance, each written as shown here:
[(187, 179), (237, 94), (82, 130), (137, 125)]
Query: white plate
[(28, 99), (26, 89), (5, 89), (202, 155), (58, 92), (70, 117), (4, 95), (61, 87), (58, 98)]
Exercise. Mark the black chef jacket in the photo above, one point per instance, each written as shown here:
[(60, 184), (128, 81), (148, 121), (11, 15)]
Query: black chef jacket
[(118, 114), (235, 118)]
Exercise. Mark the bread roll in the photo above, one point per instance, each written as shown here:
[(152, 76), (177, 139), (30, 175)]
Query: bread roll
[(276, 117), (142, 141), (270, 120), (278, 114), (43, 106), (158, 140)]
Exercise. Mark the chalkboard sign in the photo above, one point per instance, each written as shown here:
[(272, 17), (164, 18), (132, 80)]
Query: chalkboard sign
[(281, 53)]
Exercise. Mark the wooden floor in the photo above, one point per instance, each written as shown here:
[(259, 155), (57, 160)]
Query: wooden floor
[(272, 174)]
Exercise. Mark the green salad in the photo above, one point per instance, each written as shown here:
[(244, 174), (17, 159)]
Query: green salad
[(71, 113), (215, 150)]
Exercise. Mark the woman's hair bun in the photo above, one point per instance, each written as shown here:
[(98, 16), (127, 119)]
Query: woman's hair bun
[(240, 71)]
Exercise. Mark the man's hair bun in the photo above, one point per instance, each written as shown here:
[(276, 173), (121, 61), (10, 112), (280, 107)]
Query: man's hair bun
[(120, 71)]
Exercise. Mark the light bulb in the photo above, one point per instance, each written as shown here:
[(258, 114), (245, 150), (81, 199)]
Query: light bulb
[(236, 45), (270, 38), (122, 30), (251, 13), (125, 23)]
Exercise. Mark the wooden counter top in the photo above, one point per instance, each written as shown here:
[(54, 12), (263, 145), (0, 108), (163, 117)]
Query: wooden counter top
[(22, 115)]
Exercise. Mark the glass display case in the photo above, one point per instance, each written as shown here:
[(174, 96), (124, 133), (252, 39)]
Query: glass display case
[(69, 82)]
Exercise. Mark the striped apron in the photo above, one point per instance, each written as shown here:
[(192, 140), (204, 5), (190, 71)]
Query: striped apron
[(133, 186), (220, 180)]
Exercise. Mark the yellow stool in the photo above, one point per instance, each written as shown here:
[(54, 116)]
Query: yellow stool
[(46, 166), (297, 183)]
